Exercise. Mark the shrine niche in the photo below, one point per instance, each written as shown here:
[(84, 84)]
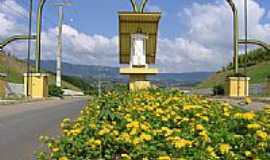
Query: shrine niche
[(138, 32)]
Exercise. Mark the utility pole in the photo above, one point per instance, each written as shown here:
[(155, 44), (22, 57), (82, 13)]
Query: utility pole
[(60, 43), (246, 35)]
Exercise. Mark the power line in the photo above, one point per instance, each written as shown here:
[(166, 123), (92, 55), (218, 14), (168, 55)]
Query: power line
[(246, 35)]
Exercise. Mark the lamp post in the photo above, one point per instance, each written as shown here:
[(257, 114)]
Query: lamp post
[(39, 28), (29, 46), (235, 35)]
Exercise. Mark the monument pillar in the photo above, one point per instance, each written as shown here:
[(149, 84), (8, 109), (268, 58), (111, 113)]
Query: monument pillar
[(138, 43)]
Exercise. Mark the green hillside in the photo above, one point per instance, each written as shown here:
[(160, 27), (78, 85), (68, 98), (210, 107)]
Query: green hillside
[(14, 68), (258, 69)]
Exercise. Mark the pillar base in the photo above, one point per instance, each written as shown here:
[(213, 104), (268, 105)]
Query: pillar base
[(138, 77), (3, 85), (237, 87), (138, 82), (37, 85), (268, 86)]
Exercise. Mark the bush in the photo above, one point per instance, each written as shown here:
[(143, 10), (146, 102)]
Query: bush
[(219, 90), (160, 124), (237, 75), (55, 91)]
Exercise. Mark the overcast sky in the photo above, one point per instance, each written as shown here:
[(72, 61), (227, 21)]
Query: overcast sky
[(195, 35)]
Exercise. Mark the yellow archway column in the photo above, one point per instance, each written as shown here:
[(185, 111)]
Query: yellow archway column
[(37, 85)]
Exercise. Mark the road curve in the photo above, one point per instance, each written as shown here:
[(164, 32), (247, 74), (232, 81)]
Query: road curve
[(22, 124)]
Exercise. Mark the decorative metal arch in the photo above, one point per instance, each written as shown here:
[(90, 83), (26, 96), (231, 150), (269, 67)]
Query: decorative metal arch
[(15, 38)]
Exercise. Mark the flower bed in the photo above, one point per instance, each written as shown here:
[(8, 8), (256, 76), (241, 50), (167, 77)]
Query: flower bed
[(161, 124)]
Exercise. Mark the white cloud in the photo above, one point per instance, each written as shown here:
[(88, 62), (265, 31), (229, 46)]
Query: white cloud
[(210, 25), (206, 47), (11, 13), (153, 8)]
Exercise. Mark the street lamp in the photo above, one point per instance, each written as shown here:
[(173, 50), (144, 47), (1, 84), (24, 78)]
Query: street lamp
[(235, 34), (39, 28)]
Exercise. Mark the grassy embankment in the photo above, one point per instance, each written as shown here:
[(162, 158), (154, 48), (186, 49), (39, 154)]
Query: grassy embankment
[(258, 69), (15, 68)]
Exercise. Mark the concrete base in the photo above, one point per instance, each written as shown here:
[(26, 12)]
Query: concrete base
[(138, 77), (3, 85), (37, 85), (138, 82), (237, 86)]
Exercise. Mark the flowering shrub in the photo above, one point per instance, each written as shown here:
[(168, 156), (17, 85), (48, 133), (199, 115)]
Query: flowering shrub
[(163, 125)]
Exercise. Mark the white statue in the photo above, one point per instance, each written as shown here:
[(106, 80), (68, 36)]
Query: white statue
[(138, 50)]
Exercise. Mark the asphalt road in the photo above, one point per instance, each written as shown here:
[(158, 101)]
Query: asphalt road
[(21, 125)]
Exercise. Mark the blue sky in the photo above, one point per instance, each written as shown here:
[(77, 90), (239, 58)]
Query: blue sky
[(195, 35), (100, 16)]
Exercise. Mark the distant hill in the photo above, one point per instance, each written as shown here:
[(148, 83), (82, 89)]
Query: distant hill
[(15, 68), (258, 69), (91, 72)]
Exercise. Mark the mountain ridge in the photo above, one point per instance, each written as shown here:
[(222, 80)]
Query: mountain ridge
[(112, 73)]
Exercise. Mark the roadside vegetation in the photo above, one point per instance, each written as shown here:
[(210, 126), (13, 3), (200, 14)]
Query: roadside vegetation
[(160, 124), (258, 68)]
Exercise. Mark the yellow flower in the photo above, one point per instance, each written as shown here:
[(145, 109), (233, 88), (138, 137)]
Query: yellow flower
[(146, 137), (125, 137), (133, 124), (63, 158), (249, 116), (136, 141), (224, 148), (180, 142), (248, 153), (133, 132), (104, 131), (245, 116), (125, 157), (211, 152), (93, 126), (56, 149), (97, 142), (253, 126), (262, 145), (145, 127), (188, 107), (167, 131), (199, 127), (204, 118), (204, 135), (262, 135), (164, 158)]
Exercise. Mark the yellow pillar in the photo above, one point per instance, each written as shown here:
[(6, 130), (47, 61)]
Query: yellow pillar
[(138, 77), (37, 85), (2, 88), (268, 86), (3, 85), (237, 86)]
